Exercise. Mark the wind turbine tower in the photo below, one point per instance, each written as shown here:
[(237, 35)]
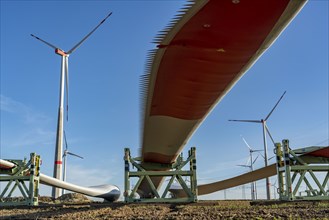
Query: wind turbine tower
[(56, 192), (265, 133)]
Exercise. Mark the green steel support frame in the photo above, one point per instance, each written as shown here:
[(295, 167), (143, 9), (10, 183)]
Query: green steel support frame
[(174, 171), (16, 177), (292, 171)]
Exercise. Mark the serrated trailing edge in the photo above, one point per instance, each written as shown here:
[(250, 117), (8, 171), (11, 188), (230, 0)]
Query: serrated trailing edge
[(144, 83), (181, 12)]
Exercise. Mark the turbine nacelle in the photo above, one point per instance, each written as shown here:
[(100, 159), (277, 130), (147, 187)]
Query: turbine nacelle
[(61, 52)]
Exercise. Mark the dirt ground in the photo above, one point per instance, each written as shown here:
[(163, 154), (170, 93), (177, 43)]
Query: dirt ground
[(79, 207)]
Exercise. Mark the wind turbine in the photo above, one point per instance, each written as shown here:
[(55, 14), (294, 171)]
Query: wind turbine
[(265, 133), (253, 184), (67, 152), (275, 189), (64, 80), (251, 151)]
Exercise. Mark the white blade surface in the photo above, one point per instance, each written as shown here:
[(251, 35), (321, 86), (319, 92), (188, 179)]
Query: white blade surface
[(108, 192)]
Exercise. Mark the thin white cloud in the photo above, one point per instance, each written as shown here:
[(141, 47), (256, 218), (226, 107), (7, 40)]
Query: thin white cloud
[(17, 108), (28, 127), (33, 137), (7, 104), (85, 176), (218, 168)]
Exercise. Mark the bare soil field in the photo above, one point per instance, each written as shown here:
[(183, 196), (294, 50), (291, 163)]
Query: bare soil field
[(79, 207)]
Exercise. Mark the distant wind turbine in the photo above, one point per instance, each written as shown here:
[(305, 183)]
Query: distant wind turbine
[(265, 133), (251, 151), (67, 152), (251, 168), (64, 80), (275, 189)]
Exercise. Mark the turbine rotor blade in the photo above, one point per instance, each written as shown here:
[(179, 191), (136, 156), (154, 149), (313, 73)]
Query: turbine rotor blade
[(269, 134), (65, 140), (262, 156), (246, 143), (74, 155), (243, 166), (78, 44), (255, 159), (271, 158), (253, 121), (275, 106), (67, 87), (49, 44), (64, 154)]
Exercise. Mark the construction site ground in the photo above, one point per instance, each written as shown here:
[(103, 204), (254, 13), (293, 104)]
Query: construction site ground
[(82, 208)]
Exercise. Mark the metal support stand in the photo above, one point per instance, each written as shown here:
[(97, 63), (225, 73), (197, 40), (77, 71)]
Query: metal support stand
[(16, 177), (290, 166), (174, 171)]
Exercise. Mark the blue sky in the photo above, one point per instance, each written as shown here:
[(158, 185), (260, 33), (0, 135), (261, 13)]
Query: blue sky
[(104, 115)]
